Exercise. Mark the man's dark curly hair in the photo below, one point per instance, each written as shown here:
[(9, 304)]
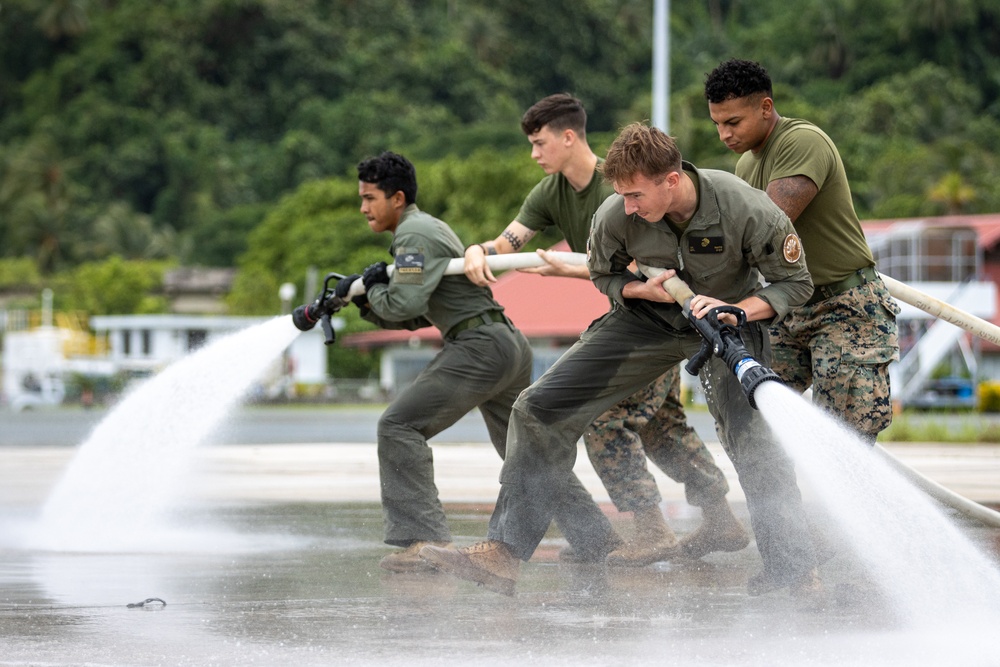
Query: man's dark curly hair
[(392, 173), (735, 79)]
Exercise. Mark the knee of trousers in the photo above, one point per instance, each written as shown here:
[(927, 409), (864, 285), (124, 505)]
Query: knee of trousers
[(401, 443)]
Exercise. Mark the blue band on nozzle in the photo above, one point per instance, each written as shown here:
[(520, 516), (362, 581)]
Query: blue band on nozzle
[(744, 365)]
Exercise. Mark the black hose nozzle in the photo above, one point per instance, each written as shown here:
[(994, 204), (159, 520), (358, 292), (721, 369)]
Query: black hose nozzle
[(319, 311), (724, 341), (303, 319)]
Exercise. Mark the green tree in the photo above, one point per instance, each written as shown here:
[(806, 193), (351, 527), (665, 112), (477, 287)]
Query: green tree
[(38, 214), (114, 286), (19, 272), (201, 115), (953, 193), (118, 230)]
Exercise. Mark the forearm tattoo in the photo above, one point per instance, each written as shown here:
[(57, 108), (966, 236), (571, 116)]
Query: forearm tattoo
[(512, 238)]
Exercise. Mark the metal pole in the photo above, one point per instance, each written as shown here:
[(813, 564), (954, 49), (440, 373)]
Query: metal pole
[(661, 64)]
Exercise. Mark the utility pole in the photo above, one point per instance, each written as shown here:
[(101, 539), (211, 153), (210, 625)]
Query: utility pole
[(661, 64)]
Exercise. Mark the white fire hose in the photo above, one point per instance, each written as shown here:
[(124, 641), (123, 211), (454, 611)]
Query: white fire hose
[(681, 292)]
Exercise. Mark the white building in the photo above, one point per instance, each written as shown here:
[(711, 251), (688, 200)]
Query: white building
[(37, 363)]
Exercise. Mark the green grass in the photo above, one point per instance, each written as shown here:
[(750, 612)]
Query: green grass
[(966, 428)]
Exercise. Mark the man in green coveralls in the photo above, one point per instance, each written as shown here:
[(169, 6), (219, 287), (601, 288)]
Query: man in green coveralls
[(843, 338), (720, 236), (485, 362), (649, 423)]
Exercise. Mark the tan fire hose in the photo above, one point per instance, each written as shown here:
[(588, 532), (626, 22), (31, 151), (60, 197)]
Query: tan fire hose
[(943, 310)]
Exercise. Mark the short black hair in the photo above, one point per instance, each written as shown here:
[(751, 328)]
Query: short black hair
[(560, 112), (735, 79), (392, 173)]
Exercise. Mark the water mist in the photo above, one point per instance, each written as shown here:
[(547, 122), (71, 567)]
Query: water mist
[(116, 491), (928, 570)]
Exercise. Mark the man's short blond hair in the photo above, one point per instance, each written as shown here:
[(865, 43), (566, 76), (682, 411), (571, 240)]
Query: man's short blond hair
[(641, 149)]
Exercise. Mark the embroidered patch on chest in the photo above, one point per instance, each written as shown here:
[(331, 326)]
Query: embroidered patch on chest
[(791, 248), (706, 245)]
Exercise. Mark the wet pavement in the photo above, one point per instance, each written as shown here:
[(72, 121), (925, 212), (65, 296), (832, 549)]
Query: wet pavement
[(270, 558)]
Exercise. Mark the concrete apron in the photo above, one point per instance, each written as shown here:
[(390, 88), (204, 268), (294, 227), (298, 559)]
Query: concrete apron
[(273, 554)]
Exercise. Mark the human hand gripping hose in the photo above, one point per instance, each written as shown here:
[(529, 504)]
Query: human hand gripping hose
[(718, 338)]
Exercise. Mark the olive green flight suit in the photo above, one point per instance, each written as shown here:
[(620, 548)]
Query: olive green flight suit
[(485, 362)]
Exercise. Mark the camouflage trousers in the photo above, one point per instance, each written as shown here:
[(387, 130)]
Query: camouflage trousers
[(652, 423), (842, 347)]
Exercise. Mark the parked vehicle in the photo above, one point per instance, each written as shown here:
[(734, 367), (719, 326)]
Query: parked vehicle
[(950, 393)]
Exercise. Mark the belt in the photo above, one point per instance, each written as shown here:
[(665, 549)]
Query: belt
[(489, 317), (859, 277)]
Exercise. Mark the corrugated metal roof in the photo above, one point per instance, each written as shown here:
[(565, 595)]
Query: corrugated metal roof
[(986, 226)]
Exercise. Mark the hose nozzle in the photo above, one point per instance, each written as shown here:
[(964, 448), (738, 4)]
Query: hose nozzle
[(302, 320), (751, 374)]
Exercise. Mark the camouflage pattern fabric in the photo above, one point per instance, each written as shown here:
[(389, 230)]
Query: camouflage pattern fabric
[(651, 423), (842, 347)]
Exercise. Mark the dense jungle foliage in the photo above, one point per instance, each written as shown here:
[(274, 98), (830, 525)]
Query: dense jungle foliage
[(137, 135)]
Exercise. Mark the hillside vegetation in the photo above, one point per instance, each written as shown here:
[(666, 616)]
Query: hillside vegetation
[(225, 132)]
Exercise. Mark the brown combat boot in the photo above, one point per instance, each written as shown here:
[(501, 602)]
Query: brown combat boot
[(490, 564), (652, 541), (407, 560), (720, 530)]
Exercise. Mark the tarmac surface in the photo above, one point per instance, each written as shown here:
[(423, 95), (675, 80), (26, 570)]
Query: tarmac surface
[(271, 553)]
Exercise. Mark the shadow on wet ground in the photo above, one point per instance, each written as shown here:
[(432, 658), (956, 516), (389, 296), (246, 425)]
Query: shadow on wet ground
[(299, 584)]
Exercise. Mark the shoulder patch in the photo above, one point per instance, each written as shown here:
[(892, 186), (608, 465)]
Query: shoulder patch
[(409, 267), (791, 248)]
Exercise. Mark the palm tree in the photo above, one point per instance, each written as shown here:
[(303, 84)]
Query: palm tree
[(953, 192)]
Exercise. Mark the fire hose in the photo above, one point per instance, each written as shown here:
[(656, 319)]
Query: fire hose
[(305, 317)]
